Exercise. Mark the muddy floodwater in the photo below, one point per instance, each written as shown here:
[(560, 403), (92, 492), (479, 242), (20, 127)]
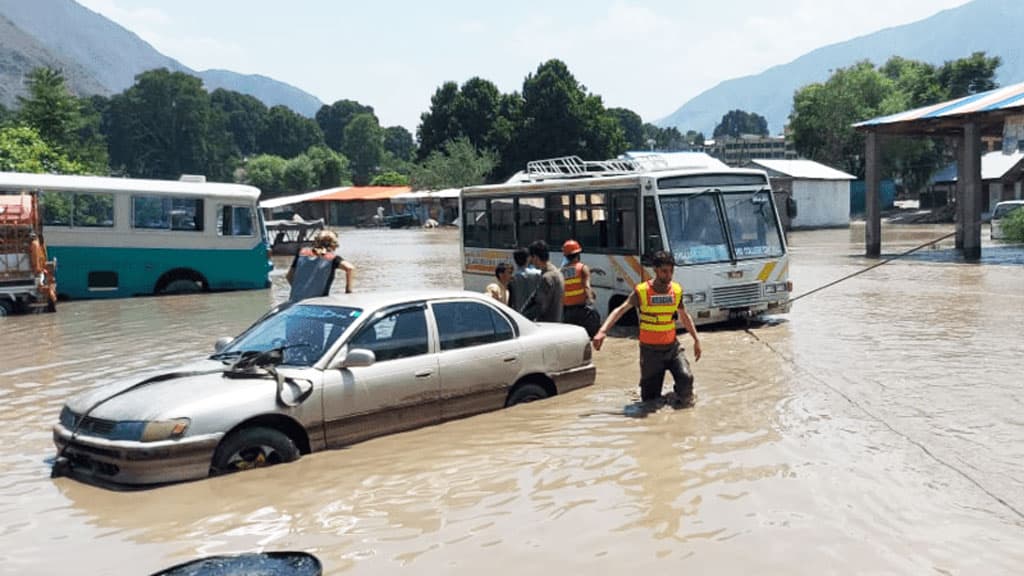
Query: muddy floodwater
[(876, 429)]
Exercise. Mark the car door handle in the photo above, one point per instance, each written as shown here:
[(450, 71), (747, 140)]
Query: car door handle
[(510, 358), (424, 373)]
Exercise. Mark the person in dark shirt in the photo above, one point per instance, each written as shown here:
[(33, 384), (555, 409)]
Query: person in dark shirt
[(524, 282), (546, 303), (312, 271)]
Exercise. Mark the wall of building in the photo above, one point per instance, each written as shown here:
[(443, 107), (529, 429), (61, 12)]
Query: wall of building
[(821, 203)]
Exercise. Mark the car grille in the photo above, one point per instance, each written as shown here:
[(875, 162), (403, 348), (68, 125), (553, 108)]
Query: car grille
[(736, 295), (90, 426)]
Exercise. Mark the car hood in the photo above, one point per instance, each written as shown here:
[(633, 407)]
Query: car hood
[(172, 397)]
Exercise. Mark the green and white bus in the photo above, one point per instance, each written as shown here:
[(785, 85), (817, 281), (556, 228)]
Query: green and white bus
[(119, 237), (719, 223)]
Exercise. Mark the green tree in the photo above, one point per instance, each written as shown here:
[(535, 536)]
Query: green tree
[(299, 175), (457, 166), (439, 124), (390, 179), (163, 126), (330, 168), (476, 109), (245, 118), (5, 115), (363, 147), (399, 142), (22, 149), (632, 127), (288, 134), (737, 122), (69, 125), (970, 75), (559, 118), (334, 118), (266, 172)]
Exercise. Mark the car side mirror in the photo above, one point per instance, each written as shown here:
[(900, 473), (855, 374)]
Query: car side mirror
[(355, 358), (222, 343), (791, 207)]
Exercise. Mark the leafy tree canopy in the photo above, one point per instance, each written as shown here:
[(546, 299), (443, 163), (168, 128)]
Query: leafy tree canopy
[(457, 166), (363, 147), (632, 127), (390, 179), (22, 149), (399, 142), (288, 133), (334, 118), (245, 117), (737, 122)]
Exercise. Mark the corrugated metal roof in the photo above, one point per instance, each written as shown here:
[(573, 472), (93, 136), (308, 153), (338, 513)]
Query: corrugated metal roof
[(296, 198), (1004, 98), (994, 165), (805, 169), (363, 193)]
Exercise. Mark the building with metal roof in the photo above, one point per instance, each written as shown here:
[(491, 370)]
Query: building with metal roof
[(821, 193)]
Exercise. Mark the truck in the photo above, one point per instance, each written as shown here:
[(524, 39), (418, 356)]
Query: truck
[(27, 277)]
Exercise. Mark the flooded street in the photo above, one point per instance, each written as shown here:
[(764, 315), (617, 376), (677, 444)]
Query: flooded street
[(878, 428)]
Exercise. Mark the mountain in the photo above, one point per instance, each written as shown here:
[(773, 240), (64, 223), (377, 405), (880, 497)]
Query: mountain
[(992, 26), (112, 56)]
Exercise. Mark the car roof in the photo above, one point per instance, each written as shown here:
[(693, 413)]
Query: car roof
[(375, 300)]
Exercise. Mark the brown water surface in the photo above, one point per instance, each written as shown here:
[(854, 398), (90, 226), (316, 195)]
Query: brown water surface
[(876, 429)]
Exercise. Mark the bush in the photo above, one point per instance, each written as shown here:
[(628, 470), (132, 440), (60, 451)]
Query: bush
[(1013, 226)]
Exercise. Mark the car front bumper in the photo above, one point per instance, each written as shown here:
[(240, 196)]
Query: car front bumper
[(574, 378), (136, 463)]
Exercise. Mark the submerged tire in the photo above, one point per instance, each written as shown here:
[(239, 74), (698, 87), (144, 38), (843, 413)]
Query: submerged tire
[(252, 448), (528, 392), (6, 307)]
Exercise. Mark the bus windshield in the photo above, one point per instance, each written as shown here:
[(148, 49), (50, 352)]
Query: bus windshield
[(712, 227)]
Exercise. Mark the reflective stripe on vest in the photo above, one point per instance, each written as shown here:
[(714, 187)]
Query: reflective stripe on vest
[(574, 294), (657, 326)]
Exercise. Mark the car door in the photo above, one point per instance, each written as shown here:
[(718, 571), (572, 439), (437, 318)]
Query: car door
[(399, 391), (479, 355)]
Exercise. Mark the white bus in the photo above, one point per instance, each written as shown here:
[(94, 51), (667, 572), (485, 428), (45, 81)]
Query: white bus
[(117, 237), (720, 225)]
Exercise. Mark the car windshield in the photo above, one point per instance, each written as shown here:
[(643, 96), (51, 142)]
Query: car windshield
[(696, 226), (304, 332)]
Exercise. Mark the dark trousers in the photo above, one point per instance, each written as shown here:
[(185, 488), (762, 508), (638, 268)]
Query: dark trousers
[(654, 361), (582, 315)]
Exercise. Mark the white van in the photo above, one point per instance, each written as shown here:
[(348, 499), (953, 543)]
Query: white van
[(1002, 210)]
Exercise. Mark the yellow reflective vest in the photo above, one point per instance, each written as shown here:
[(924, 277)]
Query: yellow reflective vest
[(657, 313)]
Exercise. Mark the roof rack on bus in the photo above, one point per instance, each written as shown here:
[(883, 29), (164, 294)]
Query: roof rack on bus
[(574, 166)]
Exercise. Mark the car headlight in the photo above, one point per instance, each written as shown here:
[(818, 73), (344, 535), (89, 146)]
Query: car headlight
[(164, 429)]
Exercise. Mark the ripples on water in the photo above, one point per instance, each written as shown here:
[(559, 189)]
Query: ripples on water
[(805, 453)]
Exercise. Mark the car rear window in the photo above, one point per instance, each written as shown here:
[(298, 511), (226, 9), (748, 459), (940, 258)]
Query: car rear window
[(463, 324)]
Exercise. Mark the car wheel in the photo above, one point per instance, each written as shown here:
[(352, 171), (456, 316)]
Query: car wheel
[(526, 393), (6, 307), (253, 448)]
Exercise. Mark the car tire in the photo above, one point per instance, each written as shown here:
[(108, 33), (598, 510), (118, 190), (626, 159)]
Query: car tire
[(252, 448), (527, 392), (6, 307)]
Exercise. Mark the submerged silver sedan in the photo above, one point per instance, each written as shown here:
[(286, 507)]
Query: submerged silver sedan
[(319, 374)]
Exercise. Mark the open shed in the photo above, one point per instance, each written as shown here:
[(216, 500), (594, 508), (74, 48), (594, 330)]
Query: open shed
[(996, 113)]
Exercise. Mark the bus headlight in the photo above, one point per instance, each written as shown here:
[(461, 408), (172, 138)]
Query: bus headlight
[(777, 287), (694, 297)]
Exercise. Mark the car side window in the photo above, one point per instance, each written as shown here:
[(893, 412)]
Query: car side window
[(400, 334), (464, 324)]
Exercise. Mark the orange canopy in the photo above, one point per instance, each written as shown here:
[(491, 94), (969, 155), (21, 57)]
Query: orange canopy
[(363, 193)]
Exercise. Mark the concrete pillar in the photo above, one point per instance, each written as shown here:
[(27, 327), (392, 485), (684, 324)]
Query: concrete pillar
[(872, 195), (959, 194), (972, 190)]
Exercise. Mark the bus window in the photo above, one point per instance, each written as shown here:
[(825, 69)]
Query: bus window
[(95, 210), (591, 220), (751, 222), (166, 213), (56, 208), (559, 211), (503, 229), (652, 229), (624, 222), (235, 221), (531, 220), (475, 225), (694, 229)]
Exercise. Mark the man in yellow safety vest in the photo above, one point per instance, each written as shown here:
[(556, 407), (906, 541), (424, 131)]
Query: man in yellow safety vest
[(659, 301)]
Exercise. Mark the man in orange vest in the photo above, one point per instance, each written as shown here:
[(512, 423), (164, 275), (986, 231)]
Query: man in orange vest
[(659, 301), (578, 298)]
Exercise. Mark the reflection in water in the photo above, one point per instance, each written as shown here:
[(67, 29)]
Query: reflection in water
[(876, 425)]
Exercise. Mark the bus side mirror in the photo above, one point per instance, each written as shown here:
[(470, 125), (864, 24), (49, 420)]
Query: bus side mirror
[(791, 207)]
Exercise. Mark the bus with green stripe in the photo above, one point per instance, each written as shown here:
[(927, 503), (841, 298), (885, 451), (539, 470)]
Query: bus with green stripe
[(720, 224), (122, 237)]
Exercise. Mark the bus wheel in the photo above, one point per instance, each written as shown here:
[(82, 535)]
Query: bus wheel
[(629, 319), (180, 282), (6, 307)]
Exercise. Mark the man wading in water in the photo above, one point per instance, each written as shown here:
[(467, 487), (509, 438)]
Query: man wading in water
[(659, 301), (312, 271)]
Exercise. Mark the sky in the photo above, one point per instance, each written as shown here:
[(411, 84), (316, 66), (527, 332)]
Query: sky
[(650, 56)]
